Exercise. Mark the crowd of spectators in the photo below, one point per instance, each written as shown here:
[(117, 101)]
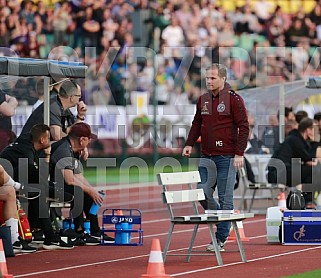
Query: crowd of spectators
[(190, 34)]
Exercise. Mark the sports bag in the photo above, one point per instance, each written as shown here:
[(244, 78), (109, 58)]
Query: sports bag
[(295, 200)]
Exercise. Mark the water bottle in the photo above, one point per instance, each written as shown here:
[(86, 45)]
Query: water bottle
[(87, 226), (125, 236), (95, 207), (118, 228)]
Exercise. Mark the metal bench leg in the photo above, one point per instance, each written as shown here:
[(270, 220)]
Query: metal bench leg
[(252, 200), (188, 257), (272, 197), (214, 242), (239, 242), (170, 232), (243, 201)]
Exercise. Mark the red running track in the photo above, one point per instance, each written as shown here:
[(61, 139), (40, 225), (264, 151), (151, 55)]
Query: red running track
[(264, 260)]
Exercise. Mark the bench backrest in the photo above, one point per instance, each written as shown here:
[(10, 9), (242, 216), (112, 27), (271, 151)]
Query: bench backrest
[(190, 195)]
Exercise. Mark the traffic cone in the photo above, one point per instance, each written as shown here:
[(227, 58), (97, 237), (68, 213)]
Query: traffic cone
[(155, 268), (3, 264), (282, 200), (232, 235), (119, 212)]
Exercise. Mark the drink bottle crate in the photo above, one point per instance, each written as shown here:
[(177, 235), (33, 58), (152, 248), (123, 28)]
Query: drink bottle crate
[(124, 223)]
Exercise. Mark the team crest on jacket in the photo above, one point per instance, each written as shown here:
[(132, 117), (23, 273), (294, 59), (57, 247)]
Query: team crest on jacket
[(205, 109), (221, 107)]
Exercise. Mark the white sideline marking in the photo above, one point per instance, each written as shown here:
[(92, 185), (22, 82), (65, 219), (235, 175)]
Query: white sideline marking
[(237, 263), (105, 262), (133, 257), (174, 250)]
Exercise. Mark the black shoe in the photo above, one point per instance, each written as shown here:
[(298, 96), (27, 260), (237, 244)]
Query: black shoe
[(23, 246), (38, 237), (57, 243), (77, 241), (28, 192), (107, 239), (90, 240)]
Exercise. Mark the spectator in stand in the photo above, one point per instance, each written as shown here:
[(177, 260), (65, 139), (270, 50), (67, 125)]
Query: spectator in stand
[(60, 22), (254, 145), (8, 105), (270, 137), (40, 93), (173, 34), (301, 114), (317, 121), (9, 211)]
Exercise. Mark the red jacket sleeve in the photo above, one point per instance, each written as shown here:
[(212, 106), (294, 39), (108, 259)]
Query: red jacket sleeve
[(195, 131), (241, 121)]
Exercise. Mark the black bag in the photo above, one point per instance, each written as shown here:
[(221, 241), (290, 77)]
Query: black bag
[(5, 235), (295, 200)]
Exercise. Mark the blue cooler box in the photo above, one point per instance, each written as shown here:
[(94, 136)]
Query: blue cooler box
[(301, 227)]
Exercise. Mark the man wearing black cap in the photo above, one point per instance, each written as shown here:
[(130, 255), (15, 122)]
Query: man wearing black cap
[(66, 169)]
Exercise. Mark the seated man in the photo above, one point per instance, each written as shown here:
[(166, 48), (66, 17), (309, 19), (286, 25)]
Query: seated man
[(293, 163), (65, 168), (30, 169), (9, 211)]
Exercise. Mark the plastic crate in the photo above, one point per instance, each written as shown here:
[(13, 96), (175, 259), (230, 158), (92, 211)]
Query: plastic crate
[(124, 225)]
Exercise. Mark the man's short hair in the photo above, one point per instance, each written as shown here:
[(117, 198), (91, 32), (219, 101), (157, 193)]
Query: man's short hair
[(38, 130), (222, 71), (317, 116), (305, 124), (68, 88)]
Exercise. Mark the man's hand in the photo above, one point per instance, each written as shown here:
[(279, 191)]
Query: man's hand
[(81, 109), (97, 198), (238, 161), (85, 154), (187, 151)]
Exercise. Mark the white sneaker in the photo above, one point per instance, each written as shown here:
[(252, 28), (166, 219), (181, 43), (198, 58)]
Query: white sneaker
[(210, 247)]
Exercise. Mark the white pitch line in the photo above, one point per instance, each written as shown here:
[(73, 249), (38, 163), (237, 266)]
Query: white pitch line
[(252, 260), (105, 262)]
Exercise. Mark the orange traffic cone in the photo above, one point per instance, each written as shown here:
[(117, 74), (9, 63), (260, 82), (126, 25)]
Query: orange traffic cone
[(155, 267), (232, 235), (3, 264), (282, 200), (119, 212)]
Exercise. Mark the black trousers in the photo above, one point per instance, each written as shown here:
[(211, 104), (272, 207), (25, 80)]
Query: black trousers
[(38, 209), (81, 204)]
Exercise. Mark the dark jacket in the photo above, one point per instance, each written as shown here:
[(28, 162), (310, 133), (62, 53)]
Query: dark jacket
[(221, 122), (294, 146), (23, 157)]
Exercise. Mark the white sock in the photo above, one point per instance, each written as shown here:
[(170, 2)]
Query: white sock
[(13, 183), (13, 224)]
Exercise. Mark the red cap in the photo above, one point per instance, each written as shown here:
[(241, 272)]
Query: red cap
[(82, 130)]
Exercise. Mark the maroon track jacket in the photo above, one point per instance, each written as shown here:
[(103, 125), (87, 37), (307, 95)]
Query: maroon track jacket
[(221, 122)]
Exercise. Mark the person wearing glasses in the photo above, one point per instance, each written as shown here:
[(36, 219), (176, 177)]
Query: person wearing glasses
[(61, 117), (66, 170)]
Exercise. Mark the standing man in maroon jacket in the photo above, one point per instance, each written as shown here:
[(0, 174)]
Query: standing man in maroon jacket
[(221, 121)]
